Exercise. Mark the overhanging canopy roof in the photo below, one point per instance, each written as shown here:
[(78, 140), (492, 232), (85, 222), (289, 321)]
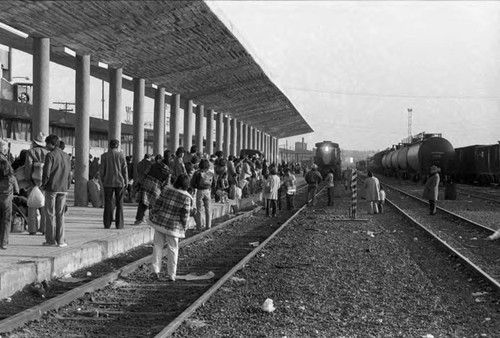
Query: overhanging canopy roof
[(180, 45)]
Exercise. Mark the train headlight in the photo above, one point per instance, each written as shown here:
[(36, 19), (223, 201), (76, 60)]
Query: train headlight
[(327, 149)]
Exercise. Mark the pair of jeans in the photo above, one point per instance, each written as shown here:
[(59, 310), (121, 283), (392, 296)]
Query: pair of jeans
[(108, 207), (290, 201), (5, 219), (55, 203), (311, 194), (141, 211), (172, 253), (330, 196), (203, 197), (271, 206)]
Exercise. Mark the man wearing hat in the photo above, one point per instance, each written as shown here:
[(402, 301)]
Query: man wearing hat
[(33, 170), (431, 189), (313, 178)]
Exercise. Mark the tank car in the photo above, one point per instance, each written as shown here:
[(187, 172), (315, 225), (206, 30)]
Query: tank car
[(374, 163), (328, 157), (413, 160), (478, 163)]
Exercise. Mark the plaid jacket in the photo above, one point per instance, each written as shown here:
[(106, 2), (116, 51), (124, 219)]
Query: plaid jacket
[(170, 212)]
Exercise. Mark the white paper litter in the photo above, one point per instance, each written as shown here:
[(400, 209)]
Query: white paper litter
[(72, 280), (370, 233), (195, 323), (478, 294), (254, 244), (268, 305), (237, 280), (191, 276)]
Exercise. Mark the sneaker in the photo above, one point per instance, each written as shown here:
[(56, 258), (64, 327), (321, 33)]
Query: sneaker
[(48, 244), (3, 248), (170, 279), (62, 245), (138, 222)]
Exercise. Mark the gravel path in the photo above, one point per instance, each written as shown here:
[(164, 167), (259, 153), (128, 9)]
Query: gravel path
[(332, 278)]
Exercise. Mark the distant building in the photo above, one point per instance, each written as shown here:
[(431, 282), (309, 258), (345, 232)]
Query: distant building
[(300, 146)]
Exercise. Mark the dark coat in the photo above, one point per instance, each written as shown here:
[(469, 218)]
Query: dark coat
[(431, 189)]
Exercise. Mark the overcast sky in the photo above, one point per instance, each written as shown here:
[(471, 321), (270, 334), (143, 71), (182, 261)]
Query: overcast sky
[(353, 68)]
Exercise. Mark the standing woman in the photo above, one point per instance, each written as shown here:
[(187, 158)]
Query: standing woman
[(8, 187), (290, 185), (329, 186), (169, 217), (178, 167), (272, 185), (431, 189), (372, 188)]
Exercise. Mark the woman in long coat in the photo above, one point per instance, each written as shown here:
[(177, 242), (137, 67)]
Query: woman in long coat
[(372, 187), (431, 189)]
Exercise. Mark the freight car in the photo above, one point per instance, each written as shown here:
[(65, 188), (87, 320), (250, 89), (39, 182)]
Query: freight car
[(413, 160), (328, 157), (478, 164)]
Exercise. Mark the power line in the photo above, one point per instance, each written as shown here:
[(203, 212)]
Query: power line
[(453, 97)]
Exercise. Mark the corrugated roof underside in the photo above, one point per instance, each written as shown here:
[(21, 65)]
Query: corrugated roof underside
[(180, 45)]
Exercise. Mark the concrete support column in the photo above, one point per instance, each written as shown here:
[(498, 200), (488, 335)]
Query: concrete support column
[(199, 127), (254, 137), (276, 148), (257, 140), (239, 138), (175, 125), (41, 86), (159, 122), (138, 118), (244, 136), (262, 138), (227, 136), (210, 132), (234, 137), (187, 141), (82, 129), (219, 132), (251, 138), (115, 104)]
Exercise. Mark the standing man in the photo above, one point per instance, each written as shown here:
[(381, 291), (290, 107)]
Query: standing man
[(113, 173), (313, 177), (431, 189), (56, 183), (33, 171)]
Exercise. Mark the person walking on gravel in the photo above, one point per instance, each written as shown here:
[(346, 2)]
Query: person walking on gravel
[(169, 217), (372, 189), (202, 181), (431, 189), (313, 177), (329, 186)]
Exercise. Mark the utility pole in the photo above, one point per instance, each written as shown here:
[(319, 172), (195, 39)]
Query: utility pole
[(410, 110)]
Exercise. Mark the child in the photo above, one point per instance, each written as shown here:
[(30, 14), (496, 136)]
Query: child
[(381, 200), (8, 187)]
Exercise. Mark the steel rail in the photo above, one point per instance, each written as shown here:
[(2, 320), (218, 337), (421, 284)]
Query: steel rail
[(451, 213), (170, 328), (492, 281)]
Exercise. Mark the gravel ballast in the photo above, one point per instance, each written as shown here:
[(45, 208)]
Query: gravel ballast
[(330, 277)]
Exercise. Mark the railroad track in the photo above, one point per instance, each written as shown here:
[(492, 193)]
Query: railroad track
[(462, 237), (480, 194), (129, 303)]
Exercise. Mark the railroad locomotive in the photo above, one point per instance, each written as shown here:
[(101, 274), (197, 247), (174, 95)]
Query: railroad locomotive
[(328, 157), (413, 159)]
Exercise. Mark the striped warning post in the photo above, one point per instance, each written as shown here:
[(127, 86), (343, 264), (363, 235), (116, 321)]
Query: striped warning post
[(354, 189)]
